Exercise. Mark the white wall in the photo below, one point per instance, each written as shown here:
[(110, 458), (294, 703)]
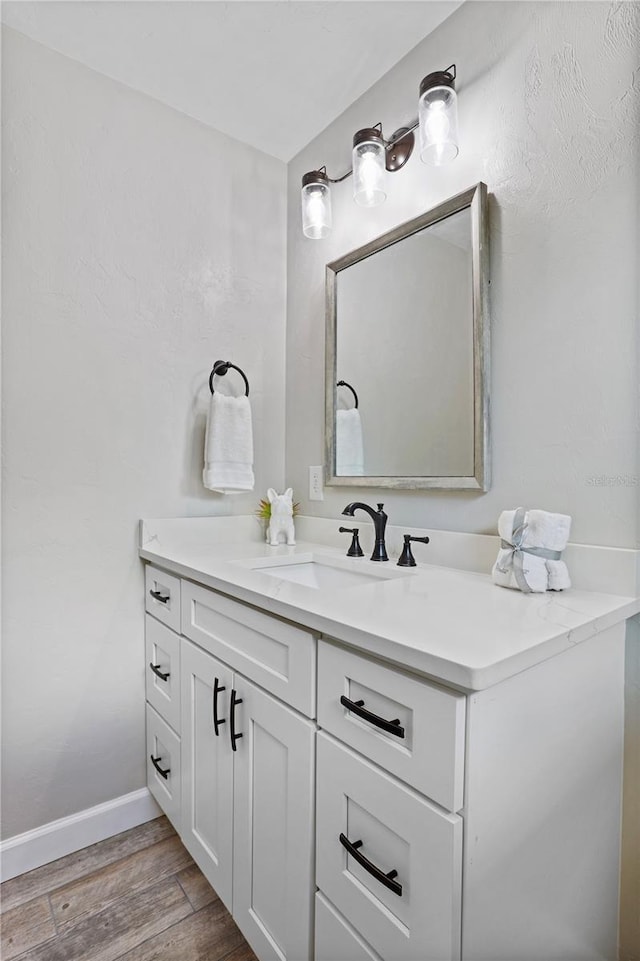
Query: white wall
[(550, 120), (549, 110), (139, 247)]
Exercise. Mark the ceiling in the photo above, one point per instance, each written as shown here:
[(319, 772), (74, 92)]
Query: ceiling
[(272, 73)]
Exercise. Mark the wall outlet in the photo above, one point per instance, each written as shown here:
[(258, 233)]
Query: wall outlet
[(316, 492)]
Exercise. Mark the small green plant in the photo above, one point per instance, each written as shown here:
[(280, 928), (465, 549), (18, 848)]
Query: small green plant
[(263, 510)]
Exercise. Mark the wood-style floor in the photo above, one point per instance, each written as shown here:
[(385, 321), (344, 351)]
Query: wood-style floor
[(134, 897)]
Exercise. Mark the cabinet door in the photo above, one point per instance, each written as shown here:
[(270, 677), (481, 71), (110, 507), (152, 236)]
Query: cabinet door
[(207, 767), (273, 882)]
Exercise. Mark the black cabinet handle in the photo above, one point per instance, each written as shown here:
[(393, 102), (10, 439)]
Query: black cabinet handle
[(373, 869), (217, 721), (164, 774), (161, 674), (357, 707), (232, 719), (159, 596)]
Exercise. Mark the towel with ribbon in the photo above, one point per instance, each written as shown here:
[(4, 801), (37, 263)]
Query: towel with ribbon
[(531, 548)]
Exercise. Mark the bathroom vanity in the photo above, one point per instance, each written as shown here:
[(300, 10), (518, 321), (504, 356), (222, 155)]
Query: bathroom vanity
[(373, 763)]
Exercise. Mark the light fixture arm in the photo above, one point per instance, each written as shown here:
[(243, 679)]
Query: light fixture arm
[(398, 135), (338, 180)]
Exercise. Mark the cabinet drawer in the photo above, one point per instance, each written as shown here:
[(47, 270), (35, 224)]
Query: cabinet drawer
[(426, 749), (162, 649), (273, 653), (336, 940), (414, 912), (162, 596), (163, 745)]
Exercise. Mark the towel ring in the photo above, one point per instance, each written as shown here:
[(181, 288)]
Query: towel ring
[(220, 368), (343, 383)]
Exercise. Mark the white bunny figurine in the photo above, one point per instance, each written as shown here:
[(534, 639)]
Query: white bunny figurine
[(281, 521)]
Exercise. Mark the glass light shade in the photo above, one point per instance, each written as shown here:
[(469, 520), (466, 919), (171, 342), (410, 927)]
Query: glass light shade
[(438, 116), (369, 172), (316, 210)]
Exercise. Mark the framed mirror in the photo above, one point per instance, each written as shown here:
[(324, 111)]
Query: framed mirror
[(407, 354)]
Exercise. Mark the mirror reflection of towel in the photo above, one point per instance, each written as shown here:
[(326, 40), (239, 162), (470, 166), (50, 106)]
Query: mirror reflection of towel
[(349, 447)]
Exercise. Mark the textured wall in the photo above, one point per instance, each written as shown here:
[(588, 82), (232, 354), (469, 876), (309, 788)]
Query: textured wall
[(549, 110), (139, 246)]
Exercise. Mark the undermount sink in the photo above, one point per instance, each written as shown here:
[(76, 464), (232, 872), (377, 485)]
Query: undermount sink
[(321, 573)]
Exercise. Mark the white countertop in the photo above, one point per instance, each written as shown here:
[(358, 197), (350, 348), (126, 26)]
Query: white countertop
[(452, 625)]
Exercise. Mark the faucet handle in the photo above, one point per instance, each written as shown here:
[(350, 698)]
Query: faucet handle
[(355, 550), (407, 559)]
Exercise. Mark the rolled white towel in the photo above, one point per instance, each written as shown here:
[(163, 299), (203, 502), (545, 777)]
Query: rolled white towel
[(228, 446), (558, 573), (349, 445), (540, 531)]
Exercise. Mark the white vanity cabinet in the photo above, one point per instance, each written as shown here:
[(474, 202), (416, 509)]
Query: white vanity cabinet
[(410, 821)]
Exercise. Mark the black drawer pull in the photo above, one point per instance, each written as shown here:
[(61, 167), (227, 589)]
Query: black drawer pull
[(373, 869), (217, 721), (357, 707), (161, 674), (159, 596), (164, 774), (232, 719)]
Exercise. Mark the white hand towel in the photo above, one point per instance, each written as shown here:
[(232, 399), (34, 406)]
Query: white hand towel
[(541, 530), (349, 445), (228, 445)]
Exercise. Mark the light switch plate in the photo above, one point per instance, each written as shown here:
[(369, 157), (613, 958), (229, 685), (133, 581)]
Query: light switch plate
[(316, 492)]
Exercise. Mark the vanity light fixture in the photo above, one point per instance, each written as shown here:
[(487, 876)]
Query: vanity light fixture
[(316, 204), (438, 117), (369, 167), (373, 156)]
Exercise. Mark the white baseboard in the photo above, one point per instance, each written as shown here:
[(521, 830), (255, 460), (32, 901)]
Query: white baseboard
[(54, 840)]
